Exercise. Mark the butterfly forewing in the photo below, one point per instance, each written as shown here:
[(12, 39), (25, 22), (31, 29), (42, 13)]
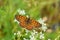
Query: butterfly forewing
[(21, 18)]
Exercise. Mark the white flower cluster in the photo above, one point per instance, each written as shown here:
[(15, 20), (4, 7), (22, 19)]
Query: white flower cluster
[(41, 35), (27, 31), (44, 27), (22, 12), (18, 34), (33, 34)]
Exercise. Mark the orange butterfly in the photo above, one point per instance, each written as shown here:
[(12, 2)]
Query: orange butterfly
[(27, 22)]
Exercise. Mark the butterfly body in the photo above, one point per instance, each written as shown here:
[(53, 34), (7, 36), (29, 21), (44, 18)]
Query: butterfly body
[(27, 22)]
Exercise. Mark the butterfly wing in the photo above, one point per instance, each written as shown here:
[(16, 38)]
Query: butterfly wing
[(28, 24), (33, 24), (21, 18)]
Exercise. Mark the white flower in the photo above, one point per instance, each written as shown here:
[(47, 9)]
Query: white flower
[(27, 16), (41, 35), (33, 34), (16, 21), (22, 12), (26, 31), (14, 33), (18, 33), (41, 21), (44, 27), (49, 39), (32, 38)]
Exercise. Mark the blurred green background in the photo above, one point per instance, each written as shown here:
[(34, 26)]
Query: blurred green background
[(34, 8)]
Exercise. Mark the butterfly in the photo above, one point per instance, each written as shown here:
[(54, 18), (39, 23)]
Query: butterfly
[(27, 23)]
